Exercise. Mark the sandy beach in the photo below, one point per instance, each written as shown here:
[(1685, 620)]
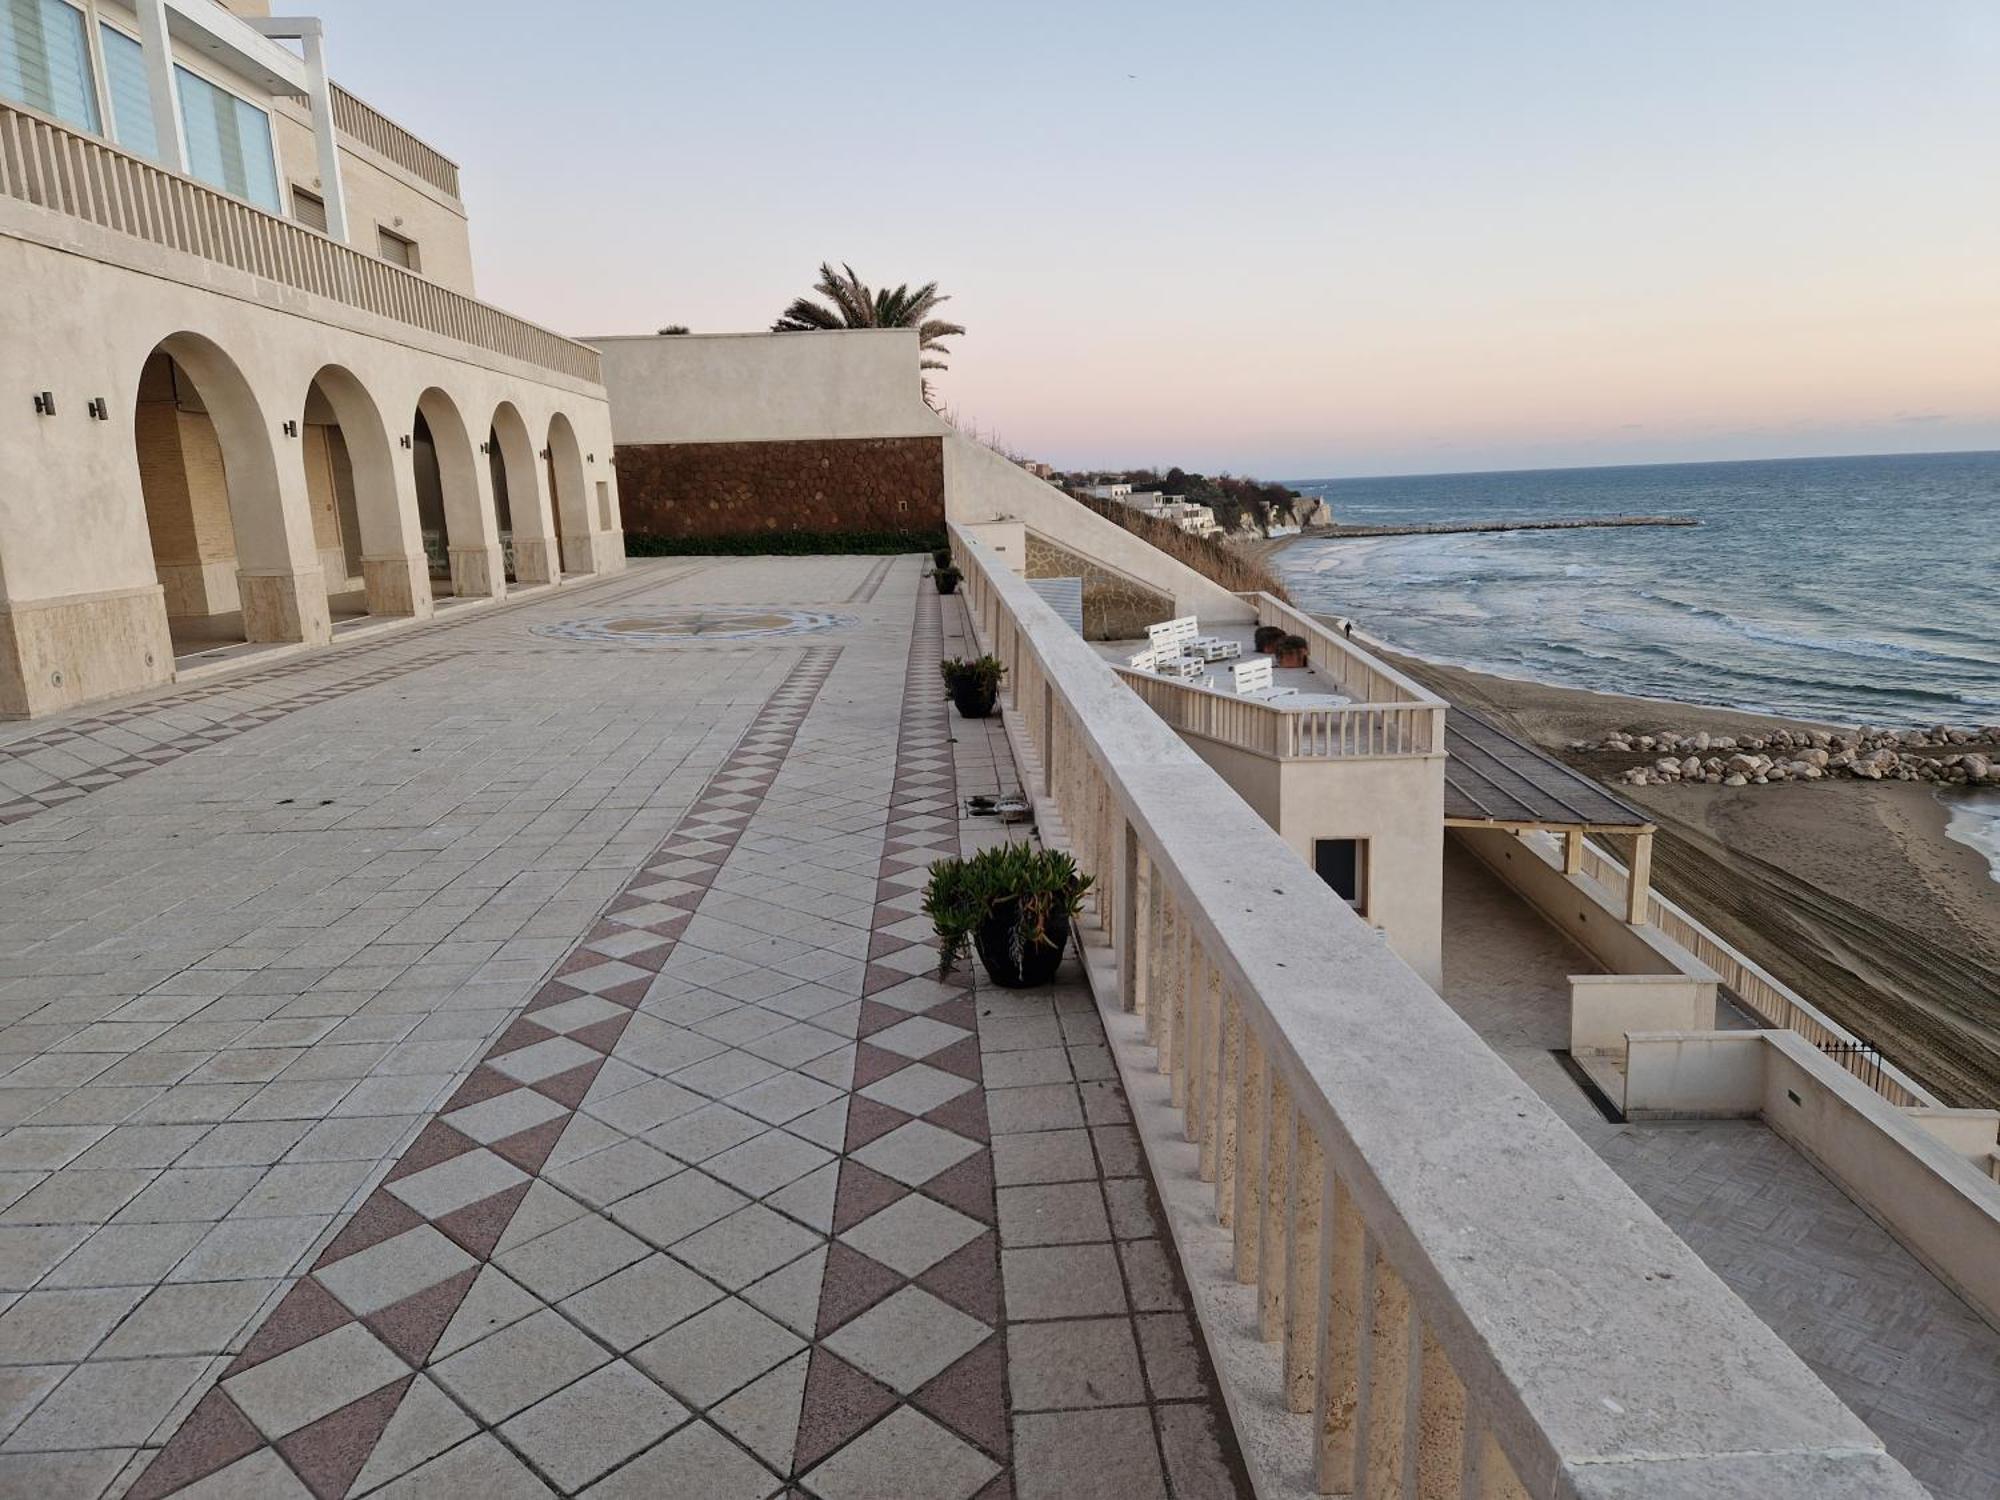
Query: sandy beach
[(1849, 891)]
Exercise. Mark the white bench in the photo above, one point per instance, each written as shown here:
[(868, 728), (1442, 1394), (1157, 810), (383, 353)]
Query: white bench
[(1173, 648), (1252, 679)]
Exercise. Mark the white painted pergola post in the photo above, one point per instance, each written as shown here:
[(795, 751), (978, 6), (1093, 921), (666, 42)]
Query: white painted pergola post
[(311, 31), (332, 189), (158, 49)]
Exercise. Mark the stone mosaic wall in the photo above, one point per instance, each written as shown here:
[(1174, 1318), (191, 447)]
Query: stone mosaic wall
[(700, 490), (1115, 607)]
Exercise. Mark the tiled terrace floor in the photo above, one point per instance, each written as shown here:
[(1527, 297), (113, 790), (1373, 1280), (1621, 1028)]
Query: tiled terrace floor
[(1899, 1347), (487, 1063)]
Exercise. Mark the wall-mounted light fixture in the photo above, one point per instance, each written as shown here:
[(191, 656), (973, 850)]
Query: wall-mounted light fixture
[(45, 404), (592, 458), (485, 447), (291, 429), (405, 440), (100, 408), (545, 453)]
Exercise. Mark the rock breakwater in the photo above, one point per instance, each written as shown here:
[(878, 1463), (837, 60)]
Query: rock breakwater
[(1940, 755)]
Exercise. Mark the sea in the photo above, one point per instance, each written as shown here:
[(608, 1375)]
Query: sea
[(1847, 590)]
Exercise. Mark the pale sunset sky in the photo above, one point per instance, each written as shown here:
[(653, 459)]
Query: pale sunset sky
[(1295, 239)]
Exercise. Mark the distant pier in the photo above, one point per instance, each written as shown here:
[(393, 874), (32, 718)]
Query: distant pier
[(1436, 528)]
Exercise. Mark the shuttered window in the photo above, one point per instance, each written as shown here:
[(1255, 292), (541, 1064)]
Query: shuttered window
[(131, 100), (309, 209), (45, 60), (397, 250), (228, 141)]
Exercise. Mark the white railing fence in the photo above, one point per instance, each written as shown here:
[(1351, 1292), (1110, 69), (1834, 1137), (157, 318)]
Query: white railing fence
[(1469, 1303), (1357, 729)]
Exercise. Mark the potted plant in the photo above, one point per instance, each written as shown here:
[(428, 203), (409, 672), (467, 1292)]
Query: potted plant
[(974, 685), (1012, 904), (947, 580), (1265, 639), (1292, 650), (941, 558)]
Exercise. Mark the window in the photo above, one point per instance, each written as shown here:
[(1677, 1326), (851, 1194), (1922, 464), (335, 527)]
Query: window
[(131, 98), (396, 250), (1343, 864), (309, 209), (228, 141), (45, 60)]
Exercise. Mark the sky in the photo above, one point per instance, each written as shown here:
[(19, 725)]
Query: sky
[(1287, 239)]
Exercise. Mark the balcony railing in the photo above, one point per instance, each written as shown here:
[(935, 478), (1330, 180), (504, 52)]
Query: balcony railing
[(1468, 1301), (59, 169), (383, 135), (1292, 733)]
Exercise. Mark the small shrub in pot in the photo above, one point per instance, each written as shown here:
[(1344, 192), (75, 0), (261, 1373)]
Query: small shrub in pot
[(942, 558), (974, 685), (1293, 651), (1266, 639), (947, 580), (1012, 904)]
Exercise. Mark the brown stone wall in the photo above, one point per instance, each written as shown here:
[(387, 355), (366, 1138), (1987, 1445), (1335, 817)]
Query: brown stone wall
[(1115, 607), (704, 490)]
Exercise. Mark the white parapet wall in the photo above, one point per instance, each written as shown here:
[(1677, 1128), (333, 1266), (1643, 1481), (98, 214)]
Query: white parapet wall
[(765, 387), (982, 487)]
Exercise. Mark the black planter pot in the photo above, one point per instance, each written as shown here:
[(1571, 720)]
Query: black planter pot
[(972, 700), (993, 940), (947, 583)]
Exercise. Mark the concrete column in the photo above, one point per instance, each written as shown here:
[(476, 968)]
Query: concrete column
[(1641, 883), (1342, 1241), (159, 53), (398, 584), (285, 606), (331, 186)]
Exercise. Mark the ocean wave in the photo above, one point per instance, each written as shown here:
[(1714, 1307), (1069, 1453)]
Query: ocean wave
[(1868, 649)]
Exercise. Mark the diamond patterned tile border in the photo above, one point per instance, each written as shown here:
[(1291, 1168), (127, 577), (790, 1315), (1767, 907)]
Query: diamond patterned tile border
[(325, 1374)]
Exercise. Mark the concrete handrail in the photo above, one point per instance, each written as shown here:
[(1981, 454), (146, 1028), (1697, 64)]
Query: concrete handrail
[(1469, 1298), (55, 168)]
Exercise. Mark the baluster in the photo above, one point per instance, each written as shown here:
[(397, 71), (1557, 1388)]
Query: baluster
[(1131, 935), (1248, 1210), (1387, 1364), (1342, 1249), (1198, 1068), (1228, 1078), (1439, 1445), (1274, 1195), (1184, 1014), (1306, 1268), (1488, 1474)]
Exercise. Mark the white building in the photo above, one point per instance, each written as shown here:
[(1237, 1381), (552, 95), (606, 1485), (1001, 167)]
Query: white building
[(248, 392)]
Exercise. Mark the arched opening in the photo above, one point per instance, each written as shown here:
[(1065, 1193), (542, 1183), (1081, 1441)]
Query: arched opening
[(517, 499), (208, 477), (351, 492), (448, 498), (566, 490)]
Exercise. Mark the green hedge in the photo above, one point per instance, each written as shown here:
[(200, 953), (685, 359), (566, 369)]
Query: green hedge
[(784, 544)]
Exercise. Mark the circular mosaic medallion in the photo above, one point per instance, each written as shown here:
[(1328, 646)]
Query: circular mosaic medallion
[(674, 627)]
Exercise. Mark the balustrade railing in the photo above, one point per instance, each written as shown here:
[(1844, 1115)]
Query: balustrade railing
[(1468, 1302), (59, 169), (1357, 729), (375, 130)]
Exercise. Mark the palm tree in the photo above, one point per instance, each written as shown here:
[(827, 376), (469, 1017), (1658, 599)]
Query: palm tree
[(855, 305)]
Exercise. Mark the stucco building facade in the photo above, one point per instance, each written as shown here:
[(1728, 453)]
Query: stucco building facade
[(250, 399)]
